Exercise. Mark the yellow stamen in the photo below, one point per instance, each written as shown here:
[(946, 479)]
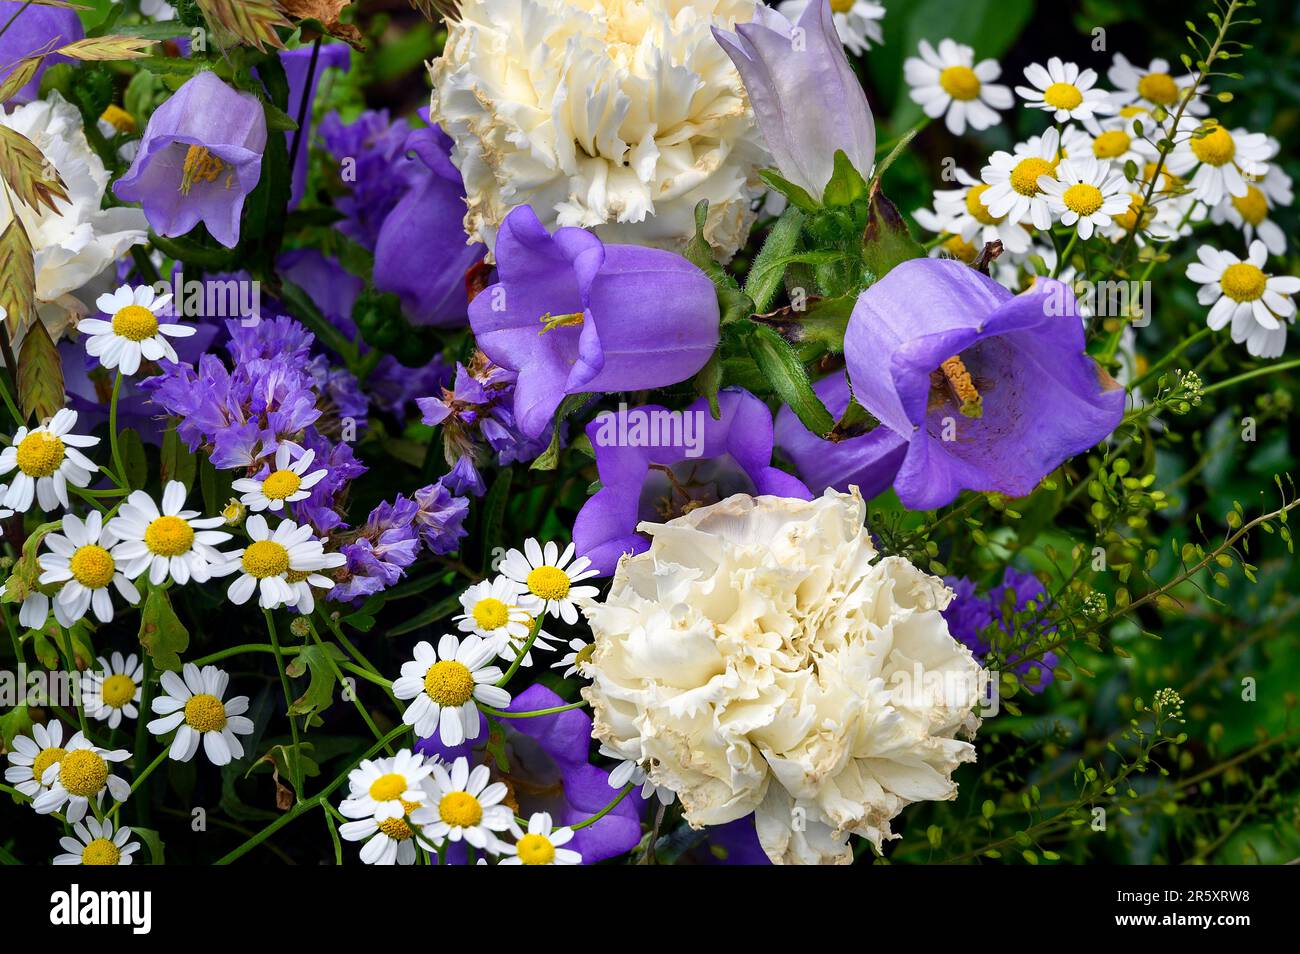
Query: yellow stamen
[(1024, 177), (1062, 96), (535, 850), (1216, 147), (551, 322), (960, 82), (1083, 198), (200, 166), (281, 484), (205, 713), (963, 386), (83, 772), (461, 809), (117, 690), (265, 558), (92, 566), (1158, 88), (119, 118), (135, 323), (449, 683), (169, 536), (549, 582), (1243, 282), (1253, 206), (40, 454), (1111, 144), (101, 851), (491, 613), (978, 210)]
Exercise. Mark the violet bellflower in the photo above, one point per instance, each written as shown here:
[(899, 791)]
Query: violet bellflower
[(970, 617), (992, 391), (572, 315), (656, 464), (421, 253), (38, 30), (200, 156), (806, 97)]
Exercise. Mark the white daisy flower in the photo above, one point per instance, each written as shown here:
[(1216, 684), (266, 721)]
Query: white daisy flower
[(463, 806), (84, 772), (502, 611), (167, 540), (388, 787), (31, 757), (948, 83), (388, 841), (1225, 162), (287, 483), (542, 845), (1151, 87), (192, 705), (111, 693), (1257, 304), (1117, 141), (446, 684), (47, 458), (856, 21), (277, 562), (1066, 92), (1251, 212), (962, 212), (1013, 179), (630, 770), (547, 574), (97, 844), (81, 558), (1086, 192), (34, 610), (578, 656), (133, 332)]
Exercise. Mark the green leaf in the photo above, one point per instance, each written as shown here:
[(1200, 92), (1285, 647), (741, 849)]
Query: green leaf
[(550, 457), (17, 721), (768, 269), (797, 195), (494, 512), (314, 660), (846, 186), (40, 374), (153, 841), (162, 634), (886, 240), (786, 375), (133, 459), (176, 462), (214, 485), (708, 381)]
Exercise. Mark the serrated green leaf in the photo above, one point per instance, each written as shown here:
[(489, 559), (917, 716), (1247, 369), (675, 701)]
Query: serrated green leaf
[(162, 634)]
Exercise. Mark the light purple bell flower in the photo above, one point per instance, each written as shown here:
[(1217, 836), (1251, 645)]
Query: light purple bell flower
[(656, 464), (806, 97), (200, 156), (1021, 397), (38, 29), (572, 315)]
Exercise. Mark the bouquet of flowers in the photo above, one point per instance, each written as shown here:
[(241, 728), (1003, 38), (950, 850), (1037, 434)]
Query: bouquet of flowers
[(642, 431)]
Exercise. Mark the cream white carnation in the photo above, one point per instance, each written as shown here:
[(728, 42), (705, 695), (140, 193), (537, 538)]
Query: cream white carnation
[(618, 115), (75, 244), (762, 657)]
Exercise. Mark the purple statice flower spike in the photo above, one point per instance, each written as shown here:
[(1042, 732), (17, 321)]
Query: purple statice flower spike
[(726, 456), (440, 518), (38, 30), (806, 97), (379, 556), (297, 63), (200, 156), (868, 462), (464, 477), (375, 144), (572, 316), (1022, 397), (421, 253)]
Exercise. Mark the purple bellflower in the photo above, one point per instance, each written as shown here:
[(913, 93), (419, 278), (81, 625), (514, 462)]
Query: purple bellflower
[(572, 315), (200, 156), (992, 391)]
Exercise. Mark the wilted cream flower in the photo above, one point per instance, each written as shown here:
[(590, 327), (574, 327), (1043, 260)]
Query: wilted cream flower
[(617, 115), (761, 657), (75, 244)]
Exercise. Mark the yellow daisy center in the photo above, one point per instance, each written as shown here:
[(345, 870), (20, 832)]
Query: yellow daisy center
[(491, 613), (118, 690), (83, 772), (842, 6), (1062, 96), (1128, 112), (960, 249), (135, 323), (101, 851), (978, 210), (92, 566), (263, 558), (169, 536), (460, 809), (388, 787), (449, 683), (1082, 198), (200, 166), (281, 484), (118, 118), (549, 582), (960, 82), (1215, 148), (296, 576), (535, 850), (1243, 282), (1110, 144), (1253, 206), (1128, 218), (205, 713), (583, 655), (44, 759), (40, 454), (1024, 177), (396, 828), (1158, 88)]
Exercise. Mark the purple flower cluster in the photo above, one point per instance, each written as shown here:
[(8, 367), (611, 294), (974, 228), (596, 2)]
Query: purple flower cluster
[(970, 616), (391, 539), (477, 417), (375, 144)]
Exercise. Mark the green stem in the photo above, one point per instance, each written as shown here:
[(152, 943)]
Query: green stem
[(607, 809), (112, 431), (1164, 362), (140, 779), (523, 651), (531, 713), (288, 702), (1257, 373), (242, 648)]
